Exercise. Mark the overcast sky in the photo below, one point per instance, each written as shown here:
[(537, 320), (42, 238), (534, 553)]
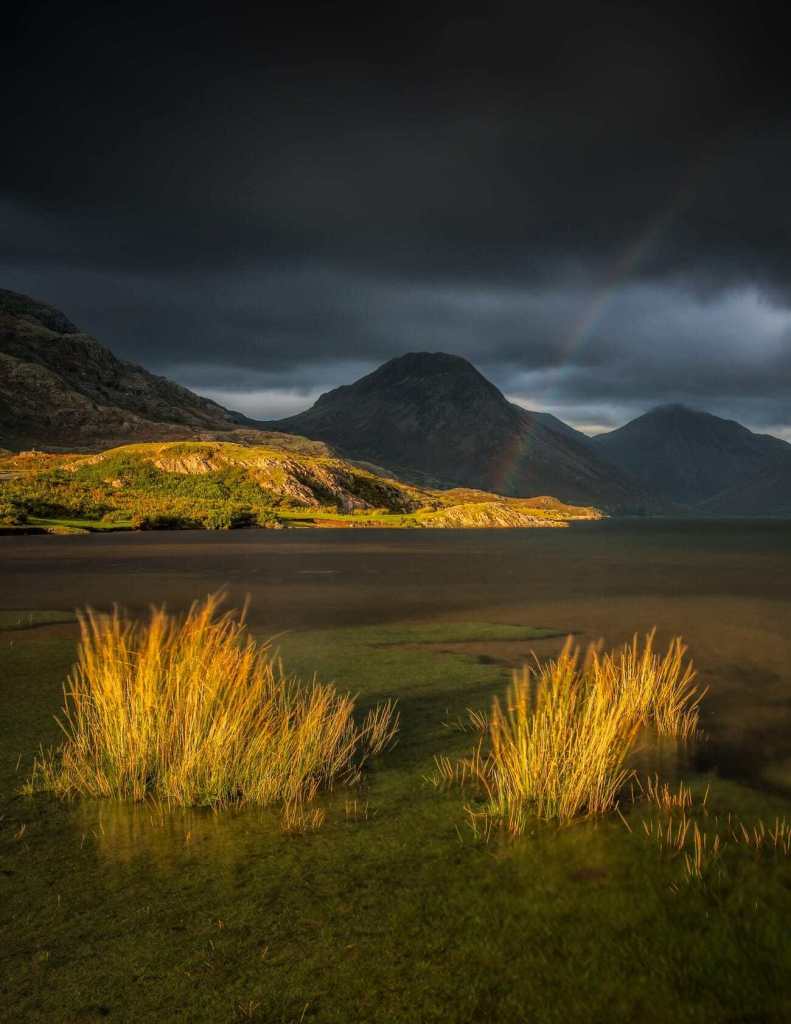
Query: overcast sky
[(592, 204)]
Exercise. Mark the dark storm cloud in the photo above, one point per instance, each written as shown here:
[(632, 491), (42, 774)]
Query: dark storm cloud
[(590, 203)]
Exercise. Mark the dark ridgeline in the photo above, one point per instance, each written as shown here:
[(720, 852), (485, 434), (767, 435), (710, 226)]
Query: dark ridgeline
[(432, 417), (60, 388), (429, 418), (702, 462)]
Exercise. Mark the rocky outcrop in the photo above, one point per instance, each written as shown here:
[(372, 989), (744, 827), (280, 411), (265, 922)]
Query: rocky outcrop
[(493, 514), (302, 480), (284, 482), (60, 388)]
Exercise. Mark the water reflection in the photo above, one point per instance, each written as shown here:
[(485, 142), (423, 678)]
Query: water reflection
[(171, 838), (672, 758), (123, 831)]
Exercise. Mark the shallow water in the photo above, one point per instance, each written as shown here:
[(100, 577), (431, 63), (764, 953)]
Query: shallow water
[(724, 585), (392, 912), (320, 578)]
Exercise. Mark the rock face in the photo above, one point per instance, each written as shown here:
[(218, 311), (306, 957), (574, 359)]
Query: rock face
[(61, 388), (282, 480), (300, 478), (702, 462), (483, 515), (433, 418)]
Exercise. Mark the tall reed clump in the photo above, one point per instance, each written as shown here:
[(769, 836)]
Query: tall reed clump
[(193, 711), (659, 690), (558, 746)]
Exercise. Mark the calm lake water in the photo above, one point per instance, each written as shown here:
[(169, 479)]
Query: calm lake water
[(724, 585), (392, 912)]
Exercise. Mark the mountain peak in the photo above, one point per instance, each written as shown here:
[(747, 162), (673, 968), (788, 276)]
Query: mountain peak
[(693, 455), (415, 366), (17, 305), (423, 380), (685, 418), (425, 383), (431, 416), (59, 385), (671, 407), (676, 410), (428, 362)]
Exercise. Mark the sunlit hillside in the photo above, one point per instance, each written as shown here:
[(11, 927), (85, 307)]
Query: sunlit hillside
[(219, 485)]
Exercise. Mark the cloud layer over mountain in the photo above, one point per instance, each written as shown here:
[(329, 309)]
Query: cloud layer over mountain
[(590, 204)]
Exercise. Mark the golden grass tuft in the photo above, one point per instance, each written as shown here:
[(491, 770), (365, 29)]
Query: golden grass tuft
[(760, 837), (670, 834), (658, 690), (702, 847), (192, 711), (558, 746), (706, 850), (667, 799)]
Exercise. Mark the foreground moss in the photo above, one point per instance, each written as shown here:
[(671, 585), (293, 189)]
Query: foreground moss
[(393, 912), (24, 619)]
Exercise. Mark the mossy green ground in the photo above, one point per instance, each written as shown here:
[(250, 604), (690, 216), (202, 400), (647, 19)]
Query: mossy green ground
[(28, 619), (392, 912), (91, 525)]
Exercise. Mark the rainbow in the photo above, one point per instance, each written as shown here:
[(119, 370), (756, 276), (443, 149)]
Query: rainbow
[(582, 330)]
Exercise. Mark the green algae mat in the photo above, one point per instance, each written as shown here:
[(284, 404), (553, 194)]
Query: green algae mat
[(392, 911)]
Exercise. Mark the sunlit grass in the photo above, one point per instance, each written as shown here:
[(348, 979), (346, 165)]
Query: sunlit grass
[(667, 799), (145, 885), (558, 746), (774, 838), (702, 840), (192, 711), (705, 852), (657, 690)]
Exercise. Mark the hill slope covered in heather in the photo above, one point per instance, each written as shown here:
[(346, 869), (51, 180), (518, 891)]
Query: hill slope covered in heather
[(219, 485)]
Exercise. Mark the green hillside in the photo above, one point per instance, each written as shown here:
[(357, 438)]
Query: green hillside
[(219, 485)]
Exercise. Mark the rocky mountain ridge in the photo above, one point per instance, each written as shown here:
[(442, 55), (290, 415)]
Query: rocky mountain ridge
[(61, 387), (429, 418), (432, 417), (703, 463)]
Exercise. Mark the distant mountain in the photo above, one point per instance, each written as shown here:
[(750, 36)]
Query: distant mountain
[(433, 418), (429, 418), (702, 462), (60, 388)]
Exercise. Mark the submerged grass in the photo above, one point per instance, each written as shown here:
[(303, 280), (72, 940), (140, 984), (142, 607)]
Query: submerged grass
[(760, 837), (701, 839), (193, 711), (387, 915), (558, 746), (701, 846)]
